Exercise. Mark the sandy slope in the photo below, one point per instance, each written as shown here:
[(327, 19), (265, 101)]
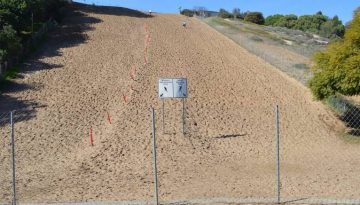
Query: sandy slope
[(229, 149)]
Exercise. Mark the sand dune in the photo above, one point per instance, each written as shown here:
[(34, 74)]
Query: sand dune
[(85, 72)]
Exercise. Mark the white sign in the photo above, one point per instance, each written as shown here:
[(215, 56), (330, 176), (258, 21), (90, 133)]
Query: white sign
[(166, 89), (180, 88), (173, 88)]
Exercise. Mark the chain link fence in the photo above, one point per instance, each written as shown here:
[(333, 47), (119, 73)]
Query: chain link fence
[(323, 170)]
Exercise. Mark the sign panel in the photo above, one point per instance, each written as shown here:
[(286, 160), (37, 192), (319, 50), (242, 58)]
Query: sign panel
[(166, 89), (173, 88), (180, 88)]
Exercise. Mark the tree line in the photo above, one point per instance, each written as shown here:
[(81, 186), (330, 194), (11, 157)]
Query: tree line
[(318, 23), (20, 18), (337, 69)]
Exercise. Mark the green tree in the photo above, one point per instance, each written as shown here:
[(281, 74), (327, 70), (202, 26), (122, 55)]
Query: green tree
[(187, 12), (288, 21), (332, 28), (255, 17), (337, 69), (224, 14), (310, 23), (271, 20), (236, 13), (10, 44)]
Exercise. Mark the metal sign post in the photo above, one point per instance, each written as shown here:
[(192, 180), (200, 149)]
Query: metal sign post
[(278, 183), (154, 157), (163, 116), (173, 88), (183, 116), (13, 157)]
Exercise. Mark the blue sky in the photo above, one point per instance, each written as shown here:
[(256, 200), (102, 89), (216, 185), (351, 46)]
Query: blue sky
[(342, 8)]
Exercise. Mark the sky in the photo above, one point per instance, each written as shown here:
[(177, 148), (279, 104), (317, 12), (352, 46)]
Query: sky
[(342, 8)]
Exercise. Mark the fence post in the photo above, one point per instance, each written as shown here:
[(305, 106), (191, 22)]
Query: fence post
[(154, 157), (163, 115), (278, 183), (1, 70), (13, 157), (183, 116)]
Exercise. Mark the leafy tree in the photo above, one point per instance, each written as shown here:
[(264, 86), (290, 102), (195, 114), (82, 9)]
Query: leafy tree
[(357, 11), (271, 20), (187, 12), (10, 43), (224, 14), (255, 17), (332, 28), (310, 23), (236, 13), (337, 69), (288, 21)]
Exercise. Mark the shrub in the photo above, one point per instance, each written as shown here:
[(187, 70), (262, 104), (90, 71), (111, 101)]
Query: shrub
[(255, 17), (9, 42), (271, 20), (337, 69), (187, 12), (224, 14)]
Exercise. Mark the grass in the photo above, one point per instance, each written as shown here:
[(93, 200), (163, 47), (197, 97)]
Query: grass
[(9, 75), (351, 138)]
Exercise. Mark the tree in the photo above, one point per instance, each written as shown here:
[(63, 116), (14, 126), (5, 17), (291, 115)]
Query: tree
[(288, 21), (10, 43), (310, 23), (357, 11), (255, 17), (224, 14), (187, 12), (271, 20), (332, 28), (236, 13), (337, 69)]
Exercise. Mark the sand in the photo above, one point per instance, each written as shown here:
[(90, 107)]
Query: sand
[(84, 73)]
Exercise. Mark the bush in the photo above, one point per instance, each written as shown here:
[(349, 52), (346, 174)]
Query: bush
[(337, 69), (224, 14), (317, 24), (255, 17), (9, 43), (271, 20), (187, 12)]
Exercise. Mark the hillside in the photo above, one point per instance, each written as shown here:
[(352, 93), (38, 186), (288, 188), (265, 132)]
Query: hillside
[(289, 50), (83, 75)]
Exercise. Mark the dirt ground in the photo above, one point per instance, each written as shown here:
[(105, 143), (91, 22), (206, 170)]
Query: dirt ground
[(106, 63)]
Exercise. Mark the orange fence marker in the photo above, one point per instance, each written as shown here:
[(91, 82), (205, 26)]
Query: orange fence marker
[(125, 98), (91, 137), (108, 117)]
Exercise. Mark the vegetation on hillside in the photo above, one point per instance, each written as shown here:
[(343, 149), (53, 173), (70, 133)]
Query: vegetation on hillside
[(255, 17), (17, 20), (337, 69), (317, 24)]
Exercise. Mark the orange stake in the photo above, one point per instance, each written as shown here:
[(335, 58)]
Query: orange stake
[(125, 98), (108, 117), (91, 137)]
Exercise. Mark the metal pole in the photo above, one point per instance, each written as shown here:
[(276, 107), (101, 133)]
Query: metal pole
[(13, 157), (278, 153), (163, 116), (154, 157), (32, 22), (183, 116)]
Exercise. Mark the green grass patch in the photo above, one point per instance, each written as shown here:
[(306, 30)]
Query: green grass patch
[(301, 66), (351, 138), (12, 73), (9, 75)]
